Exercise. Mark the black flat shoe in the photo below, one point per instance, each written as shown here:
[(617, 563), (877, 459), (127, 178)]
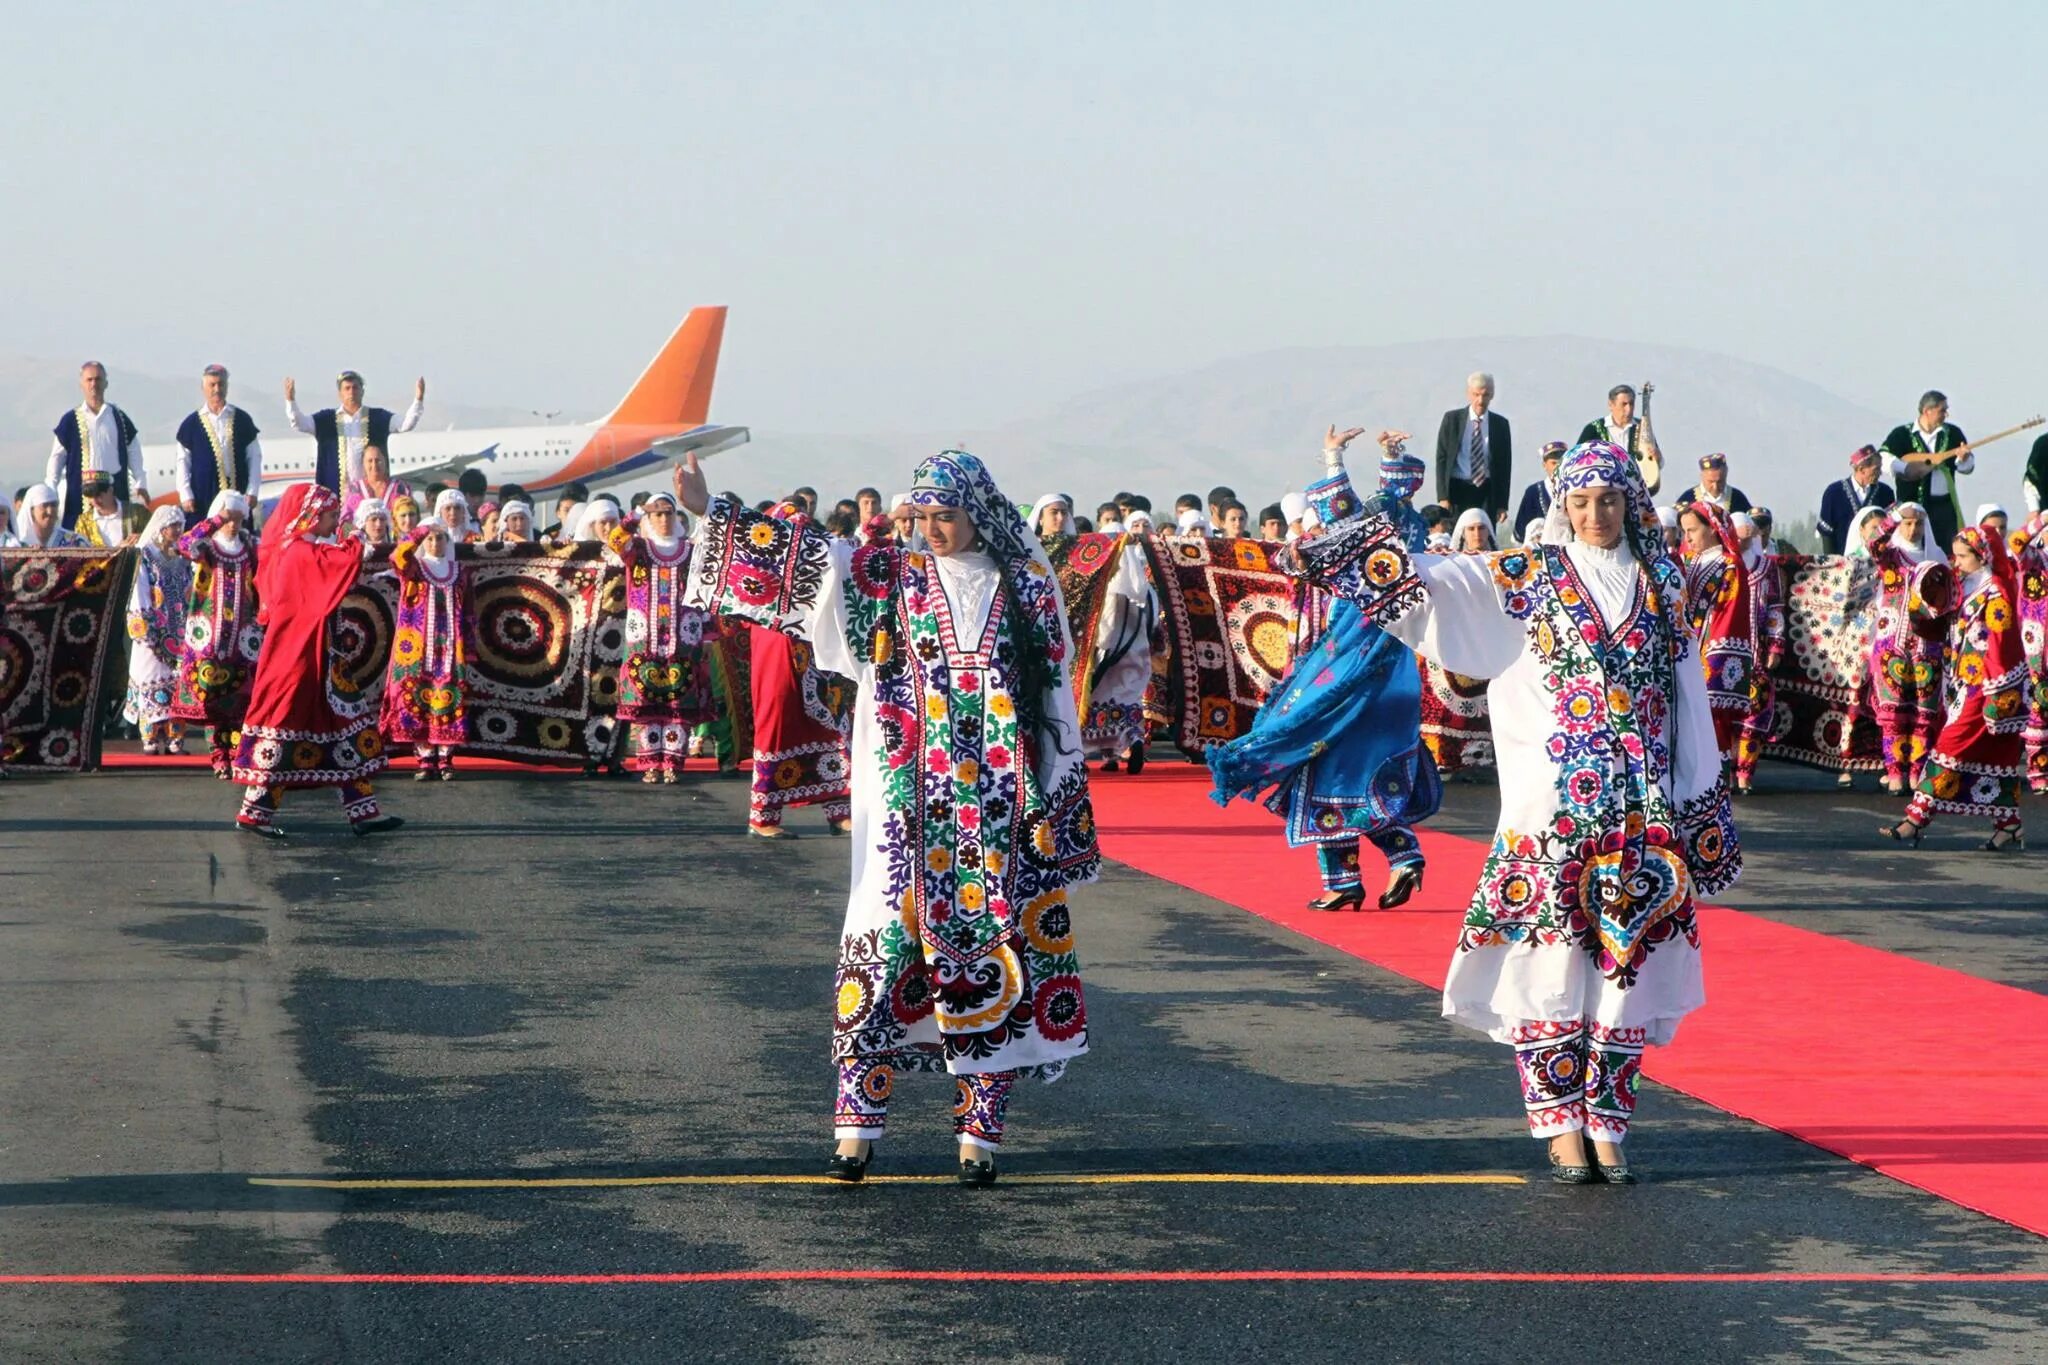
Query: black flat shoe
[(260, 831), (1353, 899), (851, 1169), (1404, 883), (1134, 762), (1110, 765), (980, 1173), (2005, 841), (382, 824), (1615, 1174), (1572, 1175)]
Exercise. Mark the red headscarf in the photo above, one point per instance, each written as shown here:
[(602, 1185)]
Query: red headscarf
[(298, 512)]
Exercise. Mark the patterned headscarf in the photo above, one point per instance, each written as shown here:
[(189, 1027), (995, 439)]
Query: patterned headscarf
[(955, 479), (168, 515), (1598, 464)]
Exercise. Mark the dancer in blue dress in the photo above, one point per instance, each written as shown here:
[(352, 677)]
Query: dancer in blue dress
[(1336, 750)]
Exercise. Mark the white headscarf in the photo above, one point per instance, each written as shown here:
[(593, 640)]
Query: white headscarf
[(1049, 500), (167, 517), (1294, 507), (1192, 522), (452, 497), (1854, 544), (514, 508), (1987, 509), (1139, 523), (1924, 549), (665, 544), (374, 507), (38, 495), (1471, 516), (592, 512)]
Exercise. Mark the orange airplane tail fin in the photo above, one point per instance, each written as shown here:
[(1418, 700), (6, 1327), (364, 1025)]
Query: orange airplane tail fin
[(675, 388)]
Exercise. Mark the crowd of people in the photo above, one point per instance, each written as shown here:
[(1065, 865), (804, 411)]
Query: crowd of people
[(1611, 656)]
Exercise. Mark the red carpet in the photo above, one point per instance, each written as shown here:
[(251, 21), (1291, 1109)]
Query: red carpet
[(1934, 1077)]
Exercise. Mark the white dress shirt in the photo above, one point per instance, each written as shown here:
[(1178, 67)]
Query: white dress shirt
[(1940, 483), (1472, 446), (101, 453), (353, 432), (216, 425)]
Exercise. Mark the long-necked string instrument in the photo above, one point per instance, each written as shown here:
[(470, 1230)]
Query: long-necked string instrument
[(1648, 456), (1924, 457)]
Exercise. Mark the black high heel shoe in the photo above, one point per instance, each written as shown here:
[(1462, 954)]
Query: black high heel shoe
[(977, 1173), (1353, 899), (851, 1169), (1405, 882), (2014, 842), (1899, 832)]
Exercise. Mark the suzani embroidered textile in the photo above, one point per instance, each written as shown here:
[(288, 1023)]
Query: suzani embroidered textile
[(63, 616)]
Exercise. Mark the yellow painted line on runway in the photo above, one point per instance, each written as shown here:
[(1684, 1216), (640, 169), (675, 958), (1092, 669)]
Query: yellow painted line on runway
[(371, 1183)]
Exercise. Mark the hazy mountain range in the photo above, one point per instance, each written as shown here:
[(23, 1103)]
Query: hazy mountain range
[(1254, 422)]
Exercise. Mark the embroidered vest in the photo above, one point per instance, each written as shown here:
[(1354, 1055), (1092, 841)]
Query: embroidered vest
[(214, 469), (327, 443), (70, 432)]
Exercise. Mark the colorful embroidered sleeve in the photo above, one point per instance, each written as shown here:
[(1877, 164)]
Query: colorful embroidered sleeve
[(786, 575), (195, 543), (1333, 499), (1363, 561), (1713, 851)]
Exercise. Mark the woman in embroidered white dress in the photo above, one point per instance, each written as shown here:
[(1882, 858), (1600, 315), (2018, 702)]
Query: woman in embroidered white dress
[(971, 819), (1580, 944)]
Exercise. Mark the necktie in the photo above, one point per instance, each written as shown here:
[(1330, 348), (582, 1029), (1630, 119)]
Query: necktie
[(1478, 455)]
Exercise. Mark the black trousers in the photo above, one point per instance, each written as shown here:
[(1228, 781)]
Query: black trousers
[(1465, 496)]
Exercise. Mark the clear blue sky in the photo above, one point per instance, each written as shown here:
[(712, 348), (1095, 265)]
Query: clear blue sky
[(925, 214)]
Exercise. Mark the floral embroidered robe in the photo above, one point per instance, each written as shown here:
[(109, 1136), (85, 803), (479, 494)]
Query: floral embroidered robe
[(1905, 665), (666, 678), (1613, 813), (222, 638), (156, 630), (957, 951), (1975, 763), (428, 672)]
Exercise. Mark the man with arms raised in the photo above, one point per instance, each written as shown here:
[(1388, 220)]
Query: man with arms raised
[(340, 433)]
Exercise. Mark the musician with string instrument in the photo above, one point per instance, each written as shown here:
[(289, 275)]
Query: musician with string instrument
[(1930, 455), (1623, 426)]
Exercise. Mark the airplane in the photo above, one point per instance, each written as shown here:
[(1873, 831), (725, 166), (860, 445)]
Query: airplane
[(662, 417)]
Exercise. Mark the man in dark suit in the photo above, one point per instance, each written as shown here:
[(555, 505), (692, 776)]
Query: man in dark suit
[(1474, 453), (1535, 504), (1842, 501)]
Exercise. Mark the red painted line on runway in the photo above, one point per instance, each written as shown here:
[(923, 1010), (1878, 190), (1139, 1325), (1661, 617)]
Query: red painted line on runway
[(689, 1277)]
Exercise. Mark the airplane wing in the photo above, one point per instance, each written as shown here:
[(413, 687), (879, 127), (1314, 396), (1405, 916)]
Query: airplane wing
[(450, 469), (705, 440)]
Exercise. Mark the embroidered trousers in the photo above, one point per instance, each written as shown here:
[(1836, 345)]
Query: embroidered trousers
[(1578, 1075), (865, 1083)]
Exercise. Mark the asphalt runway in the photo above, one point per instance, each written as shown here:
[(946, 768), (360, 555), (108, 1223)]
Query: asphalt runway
[(211, 1043)]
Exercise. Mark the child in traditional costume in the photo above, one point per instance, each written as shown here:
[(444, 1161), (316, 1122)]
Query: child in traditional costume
[(424, 687), (156, 632), (222, 639), (800, 718), (664, 685)]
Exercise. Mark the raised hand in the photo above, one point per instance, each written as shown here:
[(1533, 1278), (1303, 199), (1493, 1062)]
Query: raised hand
[(419, 389), (291, 390), (1337, 440), (692, 490)]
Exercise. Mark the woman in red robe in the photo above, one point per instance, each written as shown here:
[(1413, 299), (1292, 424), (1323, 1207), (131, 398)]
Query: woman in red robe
[(307, 725), (1728, 647), (801, 720)]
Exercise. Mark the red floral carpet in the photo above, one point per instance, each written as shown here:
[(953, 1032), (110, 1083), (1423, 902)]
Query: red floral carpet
[(1934, 1077)]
